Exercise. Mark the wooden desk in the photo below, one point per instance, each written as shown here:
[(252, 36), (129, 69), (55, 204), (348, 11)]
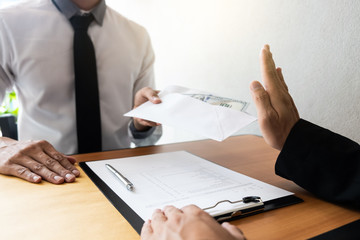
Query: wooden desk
[(80, 211)]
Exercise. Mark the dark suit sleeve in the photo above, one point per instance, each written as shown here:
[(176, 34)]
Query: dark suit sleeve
[(322, 162)]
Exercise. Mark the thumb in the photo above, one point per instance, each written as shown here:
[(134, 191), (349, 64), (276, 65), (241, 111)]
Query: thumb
[(146, 94), (261, 98), (155, 97), (152, 95)]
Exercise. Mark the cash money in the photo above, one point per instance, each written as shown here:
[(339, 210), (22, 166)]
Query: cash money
[(220, 101)]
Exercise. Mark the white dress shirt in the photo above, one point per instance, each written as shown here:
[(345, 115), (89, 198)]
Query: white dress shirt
[(36, 59)]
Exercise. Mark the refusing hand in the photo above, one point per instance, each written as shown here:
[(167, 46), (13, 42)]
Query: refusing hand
[(277, 113)]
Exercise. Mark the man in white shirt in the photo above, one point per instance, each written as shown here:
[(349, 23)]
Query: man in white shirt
[(36, 59)]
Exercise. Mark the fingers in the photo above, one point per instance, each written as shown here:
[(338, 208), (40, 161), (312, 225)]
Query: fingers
[(71, 160), (198, 213), (32, 171), (146, 94), (24, 173), (281, 77), (272, 81), (169, 213), (153, 97), (158, 219), (64, 161), (143, 95), (23, 164), (152, 229), (42, 170), (276, 109), (37, 160), (191, 209), (146, 230), (279, 71), (143, 122), (51, 164), (261, 99), (173, 214), (189, 222), (171, 210)]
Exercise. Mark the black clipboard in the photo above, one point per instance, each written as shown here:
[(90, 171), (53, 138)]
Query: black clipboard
[(255, 206)]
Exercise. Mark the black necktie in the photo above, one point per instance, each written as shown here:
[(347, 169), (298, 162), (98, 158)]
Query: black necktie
[(86, 87)]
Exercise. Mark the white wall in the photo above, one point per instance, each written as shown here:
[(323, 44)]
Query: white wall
[(213, 45)]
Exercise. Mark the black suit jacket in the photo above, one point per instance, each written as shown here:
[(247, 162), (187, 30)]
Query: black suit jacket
[(322, 162)]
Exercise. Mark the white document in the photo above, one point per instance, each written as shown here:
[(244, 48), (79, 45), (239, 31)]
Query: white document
[(179, 179), (195, 111)]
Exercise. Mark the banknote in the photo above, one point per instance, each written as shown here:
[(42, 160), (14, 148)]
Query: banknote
[(220, 101)]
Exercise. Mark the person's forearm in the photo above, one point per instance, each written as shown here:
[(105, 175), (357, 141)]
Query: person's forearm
[(324, 163)]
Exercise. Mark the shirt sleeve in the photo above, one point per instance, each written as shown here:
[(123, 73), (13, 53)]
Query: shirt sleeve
[(5, 72), (322, 162), (3, 85), (146, 74), (144, 138), (140, 134), (145, 79)]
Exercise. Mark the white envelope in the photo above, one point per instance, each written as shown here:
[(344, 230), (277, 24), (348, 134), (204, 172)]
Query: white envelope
[(179, 109)]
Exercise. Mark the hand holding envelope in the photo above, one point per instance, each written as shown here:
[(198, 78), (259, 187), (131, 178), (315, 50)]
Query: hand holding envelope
[(196, 111)]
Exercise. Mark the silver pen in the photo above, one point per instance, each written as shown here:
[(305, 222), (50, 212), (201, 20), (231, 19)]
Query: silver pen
[(121, 177)]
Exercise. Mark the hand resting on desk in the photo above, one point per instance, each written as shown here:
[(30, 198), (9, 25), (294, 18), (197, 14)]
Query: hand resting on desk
[(36, 160), (190, 222)]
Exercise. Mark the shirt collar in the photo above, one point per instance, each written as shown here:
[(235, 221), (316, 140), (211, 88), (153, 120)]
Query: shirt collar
[(69, 9)]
